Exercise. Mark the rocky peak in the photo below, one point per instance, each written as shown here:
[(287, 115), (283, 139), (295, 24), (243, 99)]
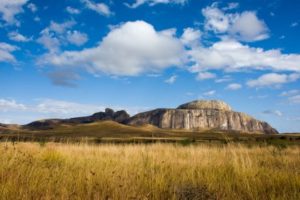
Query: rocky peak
[(109, 114), (206, 104), (202, 115)]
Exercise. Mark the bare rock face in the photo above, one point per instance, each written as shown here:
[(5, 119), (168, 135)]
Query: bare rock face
[(202, 115), (204, 104), (109, 114)]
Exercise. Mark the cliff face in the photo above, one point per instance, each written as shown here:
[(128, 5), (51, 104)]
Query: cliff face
[(119, 116), (201, 115)]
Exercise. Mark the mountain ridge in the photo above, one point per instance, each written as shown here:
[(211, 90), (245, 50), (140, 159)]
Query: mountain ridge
[(197, 115)]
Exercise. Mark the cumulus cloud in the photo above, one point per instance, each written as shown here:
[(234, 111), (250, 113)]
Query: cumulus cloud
[(49, 41), (247, 27), (100, 8), (60, 28), (138, 3), (128, 50), (273, 80), (215, 19), (230, 55), (10, 8), (10, 105), (18, 37), (191, 37), (243, 26), (77, 38), (6, 52), (73, 11), (57, 34), (171, 80), (234, 86)]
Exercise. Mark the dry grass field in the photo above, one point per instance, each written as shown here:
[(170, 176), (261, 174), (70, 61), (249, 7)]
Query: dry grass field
[(153, 171)]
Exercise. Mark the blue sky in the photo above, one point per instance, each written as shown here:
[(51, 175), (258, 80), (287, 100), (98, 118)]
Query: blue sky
[(76, 57)]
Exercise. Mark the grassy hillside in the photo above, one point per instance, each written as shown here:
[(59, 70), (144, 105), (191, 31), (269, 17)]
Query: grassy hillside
[(156, 171), (109, 131)]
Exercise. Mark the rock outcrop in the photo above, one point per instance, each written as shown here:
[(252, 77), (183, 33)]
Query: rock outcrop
[(109, 114), (202, 115), (195, 116)]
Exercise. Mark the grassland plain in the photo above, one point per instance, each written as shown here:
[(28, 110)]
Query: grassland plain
[(153, 171)]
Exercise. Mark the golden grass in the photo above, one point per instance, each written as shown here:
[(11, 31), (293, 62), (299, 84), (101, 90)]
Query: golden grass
[(156, 171)]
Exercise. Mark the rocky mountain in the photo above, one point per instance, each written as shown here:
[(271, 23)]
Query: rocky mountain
[(202, 115), (195, 116), (109, 114)]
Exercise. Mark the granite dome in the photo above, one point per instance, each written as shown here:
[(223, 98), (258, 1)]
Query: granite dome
[(206, 104)]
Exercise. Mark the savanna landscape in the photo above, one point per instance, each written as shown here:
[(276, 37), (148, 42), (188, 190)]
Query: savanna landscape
[(107, 160), (152, 171), (149, 100)]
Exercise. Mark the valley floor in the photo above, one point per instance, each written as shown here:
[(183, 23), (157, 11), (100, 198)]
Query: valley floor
[(153, 171)]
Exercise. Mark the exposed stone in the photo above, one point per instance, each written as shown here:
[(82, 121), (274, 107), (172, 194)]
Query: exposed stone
[(109, 114), (204, 104), (201, 115), (196, 115)]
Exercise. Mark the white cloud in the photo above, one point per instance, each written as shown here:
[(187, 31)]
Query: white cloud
[(11, 105), (55, 34), (77, 38), (230, 55), (138, 3), (32, 7), (73, 11), (243, 26), (10, 8), (247, 27), (273, 112), (209, 93), (215, 19), (49, 41), (6, 52), (191, 37), (273, 80), (231, 6), (130, 49), (171, 80), (205, 75), (234, 86), (100, 8), (60, 28), (15, 36)]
